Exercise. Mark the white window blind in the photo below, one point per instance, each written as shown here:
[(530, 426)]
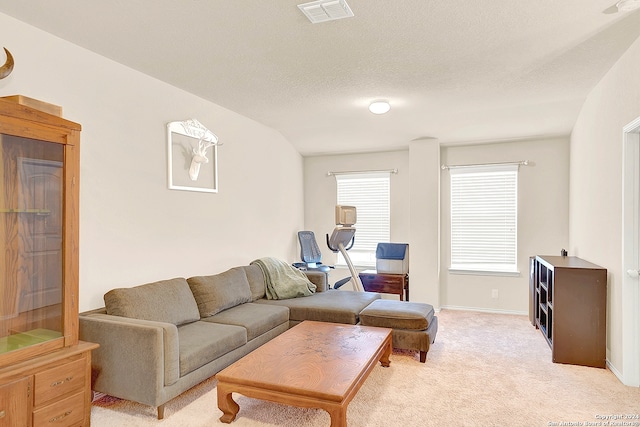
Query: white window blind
[(370, 194), (484, 218)]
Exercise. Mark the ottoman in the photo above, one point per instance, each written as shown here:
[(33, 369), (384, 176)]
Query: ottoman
[(414, 324)]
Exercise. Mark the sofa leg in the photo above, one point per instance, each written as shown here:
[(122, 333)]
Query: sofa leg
[(161, 412), (423, 356)]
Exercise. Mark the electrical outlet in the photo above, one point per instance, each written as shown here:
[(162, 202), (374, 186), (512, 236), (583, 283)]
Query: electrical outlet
[(494, 293)]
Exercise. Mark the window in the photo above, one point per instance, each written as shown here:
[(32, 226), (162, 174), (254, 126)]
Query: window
[(484, 212), (370, 194)]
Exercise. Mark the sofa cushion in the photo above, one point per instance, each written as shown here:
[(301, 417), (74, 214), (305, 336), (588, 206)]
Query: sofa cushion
[(255, 318), (169, 301), (256, 281), (203, 342), (220, 291), (331, 306)]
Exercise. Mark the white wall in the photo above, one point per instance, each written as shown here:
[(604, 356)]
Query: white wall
[(543, 215), (424, 190), (420, 214), (321, 197), (596, 185), (132, 228)]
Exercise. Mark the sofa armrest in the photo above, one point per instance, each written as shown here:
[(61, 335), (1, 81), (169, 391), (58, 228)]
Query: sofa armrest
[(136, 358)]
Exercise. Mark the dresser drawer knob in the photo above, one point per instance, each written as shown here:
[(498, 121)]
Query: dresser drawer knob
[(57, 383), (60, 417), (2, 414)]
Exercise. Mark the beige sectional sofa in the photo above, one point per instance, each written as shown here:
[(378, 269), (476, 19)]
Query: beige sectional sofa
[(159, 339)]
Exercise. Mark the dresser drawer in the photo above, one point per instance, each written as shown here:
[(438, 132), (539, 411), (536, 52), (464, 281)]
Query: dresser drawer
[(384, 287), (388, 279), (384, 282), (383, 279), (58, 381), (63, 413)]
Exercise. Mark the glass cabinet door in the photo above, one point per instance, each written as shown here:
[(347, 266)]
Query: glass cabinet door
[(31, 240)]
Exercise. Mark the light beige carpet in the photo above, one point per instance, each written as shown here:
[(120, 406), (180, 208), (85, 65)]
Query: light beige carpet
[(483, 370)]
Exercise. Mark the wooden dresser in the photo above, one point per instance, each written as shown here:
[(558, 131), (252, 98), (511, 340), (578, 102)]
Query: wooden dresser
[(53, 389), (386, 283)]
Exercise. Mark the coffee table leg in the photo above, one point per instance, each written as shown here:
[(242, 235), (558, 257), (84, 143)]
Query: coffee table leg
[(338, 416), (384, 360), (226, 404)]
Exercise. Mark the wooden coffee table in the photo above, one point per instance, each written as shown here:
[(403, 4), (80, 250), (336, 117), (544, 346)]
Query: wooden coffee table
[(312, 365)]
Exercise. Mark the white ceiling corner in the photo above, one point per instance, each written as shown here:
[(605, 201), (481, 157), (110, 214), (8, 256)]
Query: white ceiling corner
[(456, 70)]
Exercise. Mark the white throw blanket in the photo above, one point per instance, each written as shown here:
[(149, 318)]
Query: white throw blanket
[(284, 281)]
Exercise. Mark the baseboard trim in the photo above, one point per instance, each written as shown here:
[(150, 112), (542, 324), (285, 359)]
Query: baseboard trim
[(483, 310), (614, 371)]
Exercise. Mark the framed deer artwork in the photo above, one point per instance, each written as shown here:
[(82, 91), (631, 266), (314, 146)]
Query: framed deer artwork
[(192, 157)]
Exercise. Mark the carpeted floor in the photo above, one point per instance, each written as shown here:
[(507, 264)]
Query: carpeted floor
[(483, 370)]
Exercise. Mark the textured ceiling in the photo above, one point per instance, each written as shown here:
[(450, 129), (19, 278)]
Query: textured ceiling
[(455, 70)]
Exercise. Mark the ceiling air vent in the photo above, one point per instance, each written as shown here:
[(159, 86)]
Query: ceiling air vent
[(324, 10)]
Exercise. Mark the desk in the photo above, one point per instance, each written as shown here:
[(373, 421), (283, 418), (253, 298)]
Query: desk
[(387, 283)]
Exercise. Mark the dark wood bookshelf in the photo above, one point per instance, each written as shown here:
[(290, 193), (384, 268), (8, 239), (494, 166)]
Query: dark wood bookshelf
[(568, 304)]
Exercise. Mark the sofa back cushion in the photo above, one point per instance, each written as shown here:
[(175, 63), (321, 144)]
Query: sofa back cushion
[(169, 301), (255, 276), (220, 291)]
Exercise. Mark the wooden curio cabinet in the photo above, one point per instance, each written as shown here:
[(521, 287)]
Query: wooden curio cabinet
[(44, 369)]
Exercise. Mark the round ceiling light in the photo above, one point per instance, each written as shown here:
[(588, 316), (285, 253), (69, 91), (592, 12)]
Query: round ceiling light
[(379, 107), (627, 5)]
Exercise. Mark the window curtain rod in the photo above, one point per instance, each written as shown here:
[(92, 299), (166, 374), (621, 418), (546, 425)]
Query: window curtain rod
[(354, 172), (520, 163)]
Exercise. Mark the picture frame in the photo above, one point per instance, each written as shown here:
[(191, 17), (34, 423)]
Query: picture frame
[(192, 157)]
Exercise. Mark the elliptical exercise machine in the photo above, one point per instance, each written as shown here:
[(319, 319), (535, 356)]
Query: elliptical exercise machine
[(342, 239)]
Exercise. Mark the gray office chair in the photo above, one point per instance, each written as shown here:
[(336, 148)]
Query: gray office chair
[(310, 253)]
